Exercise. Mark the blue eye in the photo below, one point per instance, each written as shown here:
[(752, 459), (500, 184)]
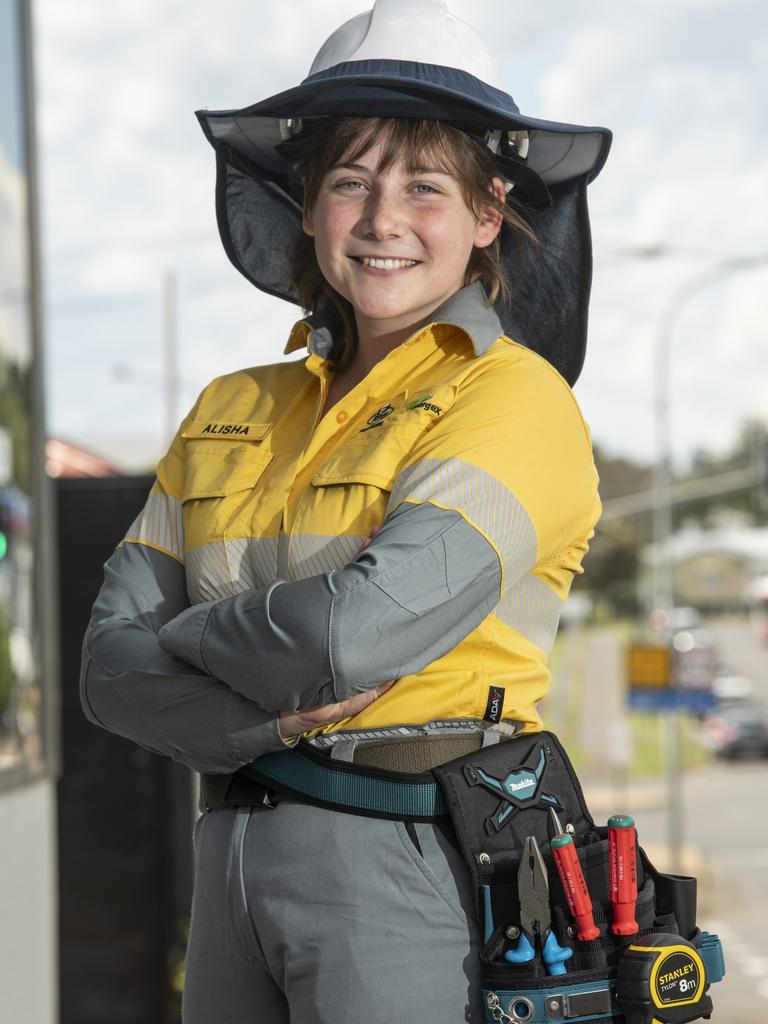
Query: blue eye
[(349, 186), (428, 187)]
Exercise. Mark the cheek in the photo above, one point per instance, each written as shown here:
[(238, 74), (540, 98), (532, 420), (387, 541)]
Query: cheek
[(452, 241), (327, 228)]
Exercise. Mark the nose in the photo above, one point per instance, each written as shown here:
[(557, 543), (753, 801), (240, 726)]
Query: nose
[(382, 215)]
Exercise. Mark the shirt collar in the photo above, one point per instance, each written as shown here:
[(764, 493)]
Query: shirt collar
[(468, 310)]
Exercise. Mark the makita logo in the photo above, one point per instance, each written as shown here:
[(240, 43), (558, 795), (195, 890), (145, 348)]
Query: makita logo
[(525, 784), (225, 428)]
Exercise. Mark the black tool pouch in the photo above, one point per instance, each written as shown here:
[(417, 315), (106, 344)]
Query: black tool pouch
[(497, 797)]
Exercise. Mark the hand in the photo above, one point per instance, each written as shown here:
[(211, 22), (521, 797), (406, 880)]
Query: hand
[(294, 722), (291, 723)]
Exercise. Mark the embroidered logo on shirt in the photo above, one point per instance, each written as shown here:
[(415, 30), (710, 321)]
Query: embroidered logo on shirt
[(378, 417), (423, 402), (495, 704)]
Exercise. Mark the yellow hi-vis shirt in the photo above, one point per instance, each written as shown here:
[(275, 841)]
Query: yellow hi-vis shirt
[(256, 487)]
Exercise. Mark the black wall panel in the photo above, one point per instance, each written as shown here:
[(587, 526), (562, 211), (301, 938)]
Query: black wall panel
[(124, 815)]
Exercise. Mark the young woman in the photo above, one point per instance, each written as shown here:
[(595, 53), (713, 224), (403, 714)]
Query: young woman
[(350, 568)]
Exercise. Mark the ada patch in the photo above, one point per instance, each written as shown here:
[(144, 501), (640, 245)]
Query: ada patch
[(495, 705)]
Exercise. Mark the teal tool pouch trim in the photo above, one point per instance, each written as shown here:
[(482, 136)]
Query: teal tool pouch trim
[(499, 796)]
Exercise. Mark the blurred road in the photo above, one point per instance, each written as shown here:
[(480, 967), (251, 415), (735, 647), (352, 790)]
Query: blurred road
[(724, 806), (726, 829)]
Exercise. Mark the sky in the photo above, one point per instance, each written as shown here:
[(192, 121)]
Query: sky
[(127, 196)]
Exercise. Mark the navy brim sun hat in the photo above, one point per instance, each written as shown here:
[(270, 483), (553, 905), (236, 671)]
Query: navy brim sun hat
[(549, 163)]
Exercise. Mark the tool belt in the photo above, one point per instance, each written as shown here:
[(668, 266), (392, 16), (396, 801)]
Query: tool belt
[(540, 962)]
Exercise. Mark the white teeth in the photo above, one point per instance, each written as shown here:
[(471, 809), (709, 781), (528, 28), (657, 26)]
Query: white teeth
[(369, 261)]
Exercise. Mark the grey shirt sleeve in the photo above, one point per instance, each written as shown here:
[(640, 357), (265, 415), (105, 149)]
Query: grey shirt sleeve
[(425, 582), (131, 686)]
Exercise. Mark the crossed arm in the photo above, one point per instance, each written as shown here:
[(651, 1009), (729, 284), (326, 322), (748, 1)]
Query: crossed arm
[(205, 685)]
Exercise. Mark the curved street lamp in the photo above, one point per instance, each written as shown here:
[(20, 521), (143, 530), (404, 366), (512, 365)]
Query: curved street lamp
[(663, 563)]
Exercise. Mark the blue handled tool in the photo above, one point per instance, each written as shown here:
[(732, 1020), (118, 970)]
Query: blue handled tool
[(535, 919), (487, 913)]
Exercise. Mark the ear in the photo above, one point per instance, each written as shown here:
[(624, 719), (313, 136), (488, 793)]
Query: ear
[(489, 219), (307, 222)]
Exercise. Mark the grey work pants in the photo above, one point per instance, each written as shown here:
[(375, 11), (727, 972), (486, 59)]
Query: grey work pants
[(307, 916)]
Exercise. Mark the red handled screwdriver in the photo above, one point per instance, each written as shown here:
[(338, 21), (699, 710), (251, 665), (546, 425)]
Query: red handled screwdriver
[(623, 866), (574, 884)]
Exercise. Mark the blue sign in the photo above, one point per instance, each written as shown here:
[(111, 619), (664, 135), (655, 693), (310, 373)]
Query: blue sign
[(672, 699)]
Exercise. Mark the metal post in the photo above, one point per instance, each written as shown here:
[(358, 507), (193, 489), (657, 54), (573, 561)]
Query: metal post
[(664, 568), (170, 351)]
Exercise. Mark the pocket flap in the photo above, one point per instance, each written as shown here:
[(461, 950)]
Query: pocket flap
[(213, 469), (376, 464)]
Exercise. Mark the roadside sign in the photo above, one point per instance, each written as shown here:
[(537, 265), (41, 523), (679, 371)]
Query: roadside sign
[(649, 667), (695, 669), (671, 699)]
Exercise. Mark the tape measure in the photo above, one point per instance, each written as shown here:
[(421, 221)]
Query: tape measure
[(662, 980)]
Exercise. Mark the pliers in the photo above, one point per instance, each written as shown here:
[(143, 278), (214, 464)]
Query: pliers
[(535, 919)]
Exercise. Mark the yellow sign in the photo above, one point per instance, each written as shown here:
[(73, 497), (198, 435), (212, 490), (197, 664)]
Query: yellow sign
[(649, 666)]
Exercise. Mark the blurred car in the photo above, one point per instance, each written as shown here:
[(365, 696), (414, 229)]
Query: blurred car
[(731, 687), (737, 730)]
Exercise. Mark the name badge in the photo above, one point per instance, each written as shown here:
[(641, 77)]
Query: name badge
[(212, 429)]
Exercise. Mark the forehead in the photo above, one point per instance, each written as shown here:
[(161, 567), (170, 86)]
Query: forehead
[(381, 151)]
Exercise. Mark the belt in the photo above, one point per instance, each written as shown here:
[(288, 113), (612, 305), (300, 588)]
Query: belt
[(385, 780)]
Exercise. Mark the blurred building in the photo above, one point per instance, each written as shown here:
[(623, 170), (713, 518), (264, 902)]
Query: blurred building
[(28, 683), (716, 569), (64, 459)]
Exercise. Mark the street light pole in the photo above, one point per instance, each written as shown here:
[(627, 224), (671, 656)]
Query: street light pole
[(664, 568), (170, 352)]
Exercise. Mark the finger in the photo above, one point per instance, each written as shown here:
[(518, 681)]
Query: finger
[(328, 714), (369, 538)]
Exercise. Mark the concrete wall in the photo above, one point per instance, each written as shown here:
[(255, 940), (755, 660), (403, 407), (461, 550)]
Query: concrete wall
[(28, 905)]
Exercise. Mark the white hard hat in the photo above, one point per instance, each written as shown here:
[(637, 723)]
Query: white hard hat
[(412, 30)]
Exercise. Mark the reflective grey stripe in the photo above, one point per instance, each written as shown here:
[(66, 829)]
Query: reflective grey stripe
[(159, 524), (438, 727), (532, 609), (484, 499), (313, 553), (226, 567), (253, 558), (208, 574)]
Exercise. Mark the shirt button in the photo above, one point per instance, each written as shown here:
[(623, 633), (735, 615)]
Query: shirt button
[(342, 417)]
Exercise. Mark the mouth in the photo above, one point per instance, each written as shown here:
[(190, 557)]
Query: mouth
[(376, 263)]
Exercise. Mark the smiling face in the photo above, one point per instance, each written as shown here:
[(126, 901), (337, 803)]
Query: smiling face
[(395, 240)]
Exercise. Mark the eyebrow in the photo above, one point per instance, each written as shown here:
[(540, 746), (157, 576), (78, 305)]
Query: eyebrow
[(415, 170)]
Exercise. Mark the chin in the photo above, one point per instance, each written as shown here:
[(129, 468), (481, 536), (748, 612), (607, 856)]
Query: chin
[(387, 307)]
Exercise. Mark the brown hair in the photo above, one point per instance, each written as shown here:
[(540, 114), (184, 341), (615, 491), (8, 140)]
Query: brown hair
[(320, 146)]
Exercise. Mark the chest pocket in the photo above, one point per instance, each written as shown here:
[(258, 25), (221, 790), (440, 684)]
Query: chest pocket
[(219, 474), (376, 454), (352, 488)]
